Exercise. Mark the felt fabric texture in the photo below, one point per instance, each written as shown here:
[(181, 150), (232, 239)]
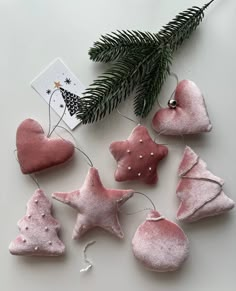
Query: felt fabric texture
[(38, 230), (137, 157), (199, 191), (36, 152), (160, 245), (97, 206), (190, 115)]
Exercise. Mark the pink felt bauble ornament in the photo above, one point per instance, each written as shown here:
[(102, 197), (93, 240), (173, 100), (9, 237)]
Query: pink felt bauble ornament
[(38, 230), (160, 244), (96, 205), (187, 115), (137, 157), (199, 191), (36, 151)]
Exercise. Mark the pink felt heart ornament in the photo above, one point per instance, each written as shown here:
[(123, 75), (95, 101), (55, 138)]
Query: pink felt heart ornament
[(160, 244), (189, 116), (36, 151)]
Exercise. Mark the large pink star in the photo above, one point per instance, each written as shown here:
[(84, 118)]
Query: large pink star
[(96, 205), (138, 156)]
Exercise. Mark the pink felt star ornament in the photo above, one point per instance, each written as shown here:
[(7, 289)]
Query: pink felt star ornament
[(97, 206), (137, 157)]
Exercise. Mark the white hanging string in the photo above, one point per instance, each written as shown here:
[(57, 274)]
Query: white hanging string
[(86, 260)]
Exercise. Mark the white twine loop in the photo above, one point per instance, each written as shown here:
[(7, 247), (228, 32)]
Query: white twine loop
[(155, 218), (86, 260)]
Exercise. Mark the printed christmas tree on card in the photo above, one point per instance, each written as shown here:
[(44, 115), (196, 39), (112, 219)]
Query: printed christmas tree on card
[(38, 230)]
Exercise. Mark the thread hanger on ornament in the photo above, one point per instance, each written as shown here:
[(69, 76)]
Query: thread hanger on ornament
[(49, 115), (89, 161), (126, 117), (171, 102), (144, 209), (32, 176), (131, 119), (86, 260)]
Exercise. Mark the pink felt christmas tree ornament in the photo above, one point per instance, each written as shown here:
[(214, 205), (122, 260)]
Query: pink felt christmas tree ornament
[(186, 114), (137, 157), (38, 230), (36, 151), (200, 192), (160, 244)]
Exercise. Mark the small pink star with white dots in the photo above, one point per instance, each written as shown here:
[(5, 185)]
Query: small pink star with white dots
[(137, 157)]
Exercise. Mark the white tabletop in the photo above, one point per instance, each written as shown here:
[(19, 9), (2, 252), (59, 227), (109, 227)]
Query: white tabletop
[(33, 33)]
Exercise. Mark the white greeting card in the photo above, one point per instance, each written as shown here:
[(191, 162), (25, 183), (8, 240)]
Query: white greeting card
[(60, 85)]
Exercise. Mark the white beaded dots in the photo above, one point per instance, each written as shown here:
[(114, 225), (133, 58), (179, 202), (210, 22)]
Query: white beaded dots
[(128, 151), (139, 174), (46, 228), (129, 168), (152, 154), (140, 140), (149, 168), (36, 248)]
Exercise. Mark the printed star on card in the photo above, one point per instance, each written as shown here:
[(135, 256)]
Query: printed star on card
[(57, 84), (137, 157), (96, 205)]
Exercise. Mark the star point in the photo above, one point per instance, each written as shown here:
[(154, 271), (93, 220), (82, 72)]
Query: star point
[(57, 84), (97, 206)]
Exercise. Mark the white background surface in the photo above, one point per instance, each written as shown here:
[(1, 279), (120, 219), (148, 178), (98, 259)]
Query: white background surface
[(33, 33)]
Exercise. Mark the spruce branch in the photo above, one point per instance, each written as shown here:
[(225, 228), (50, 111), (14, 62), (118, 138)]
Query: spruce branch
[(151, 84), (141, 61), (117, 44), (110, 89)]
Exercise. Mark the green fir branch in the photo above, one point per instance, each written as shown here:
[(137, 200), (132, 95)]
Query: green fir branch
[(115, 45), (110, 89), (151, 84), (141, 61)]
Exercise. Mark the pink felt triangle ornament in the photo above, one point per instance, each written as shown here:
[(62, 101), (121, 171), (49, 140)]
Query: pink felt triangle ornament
[(36, 151), (199, 191), (188, 115)]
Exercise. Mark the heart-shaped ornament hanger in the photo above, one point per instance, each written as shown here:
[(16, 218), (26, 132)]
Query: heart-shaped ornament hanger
[(186, 112), (37, 151)]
